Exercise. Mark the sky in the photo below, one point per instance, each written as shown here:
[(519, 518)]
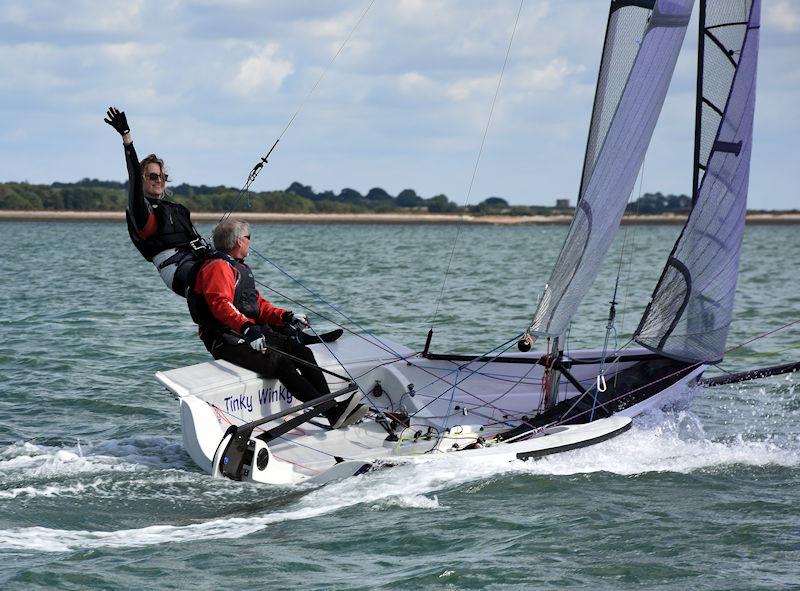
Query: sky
[(210, 85)]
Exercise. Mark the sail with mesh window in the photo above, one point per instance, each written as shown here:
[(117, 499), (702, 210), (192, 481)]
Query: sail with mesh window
[(691, 308), (643, 39)]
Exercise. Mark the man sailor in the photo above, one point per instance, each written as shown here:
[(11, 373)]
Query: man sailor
[(161, 230), (236, 324)]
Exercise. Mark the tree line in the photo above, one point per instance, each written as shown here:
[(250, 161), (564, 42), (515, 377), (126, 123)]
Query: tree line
[(658, 203), (96, 195)]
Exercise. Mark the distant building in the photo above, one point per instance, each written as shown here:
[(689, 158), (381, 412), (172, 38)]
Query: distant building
[(563, 204)]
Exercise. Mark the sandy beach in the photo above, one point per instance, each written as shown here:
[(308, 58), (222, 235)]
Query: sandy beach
[(376, 218)]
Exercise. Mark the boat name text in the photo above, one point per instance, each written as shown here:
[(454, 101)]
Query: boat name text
[(244, 402)]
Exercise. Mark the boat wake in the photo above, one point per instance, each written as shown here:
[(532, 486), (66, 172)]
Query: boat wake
[(666, 442), (660, 442), (29, 470), (25, 461)]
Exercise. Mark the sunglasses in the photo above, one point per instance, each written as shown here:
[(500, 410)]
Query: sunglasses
[(248, 236), (154, 176)]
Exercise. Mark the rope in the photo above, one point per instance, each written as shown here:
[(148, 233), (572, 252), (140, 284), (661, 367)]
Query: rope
[(398, 357), (610, 327), (260, 164), (688, 368), (472, 372), (347, 371), (221, 413), (761, 336), (257, 168), (475, 168), (376, 341)]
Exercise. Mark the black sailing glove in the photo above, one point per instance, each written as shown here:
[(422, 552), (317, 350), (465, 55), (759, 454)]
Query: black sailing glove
[(300, 321), (116, 119), (255, 337), (295, 321)]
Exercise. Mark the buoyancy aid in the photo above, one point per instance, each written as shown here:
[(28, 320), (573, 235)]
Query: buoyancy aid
[(245, 297), (174, 229), (175, 247)]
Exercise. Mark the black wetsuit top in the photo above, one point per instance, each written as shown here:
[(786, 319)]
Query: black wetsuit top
[(154, 225)]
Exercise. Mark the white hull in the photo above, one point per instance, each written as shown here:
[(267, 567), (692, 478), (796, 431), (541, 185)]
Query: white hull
[(451, 403)]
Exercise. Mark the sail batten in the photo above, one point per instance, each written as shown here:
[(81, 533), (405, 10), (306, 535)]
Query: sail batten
[(642, 43), (690, 311)]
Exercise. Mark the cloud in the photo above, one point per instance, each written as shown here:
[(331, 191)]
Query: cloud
[(551, 76), (414, 82), (331, 28), (783, 15), (32, 66), (466, 89), (419, 11), (261, 72), (110, 18), (129, 53), (83, 16)]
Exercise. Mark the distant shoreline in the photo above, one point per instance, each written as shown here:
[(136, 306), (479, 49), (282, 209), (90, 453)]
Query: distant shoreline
[(376, 218)]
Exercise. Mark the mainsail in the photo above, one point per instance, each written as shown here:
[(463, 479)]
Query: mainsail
[(690, 311), (643, 39)]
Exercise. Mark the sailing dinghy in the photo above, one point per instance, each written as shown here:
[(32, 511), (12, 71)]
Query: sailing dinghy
[(527, 404)]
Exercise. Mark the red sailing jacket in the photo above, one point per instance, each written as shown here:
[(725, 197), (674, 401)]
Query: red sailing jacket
[(231, 299)]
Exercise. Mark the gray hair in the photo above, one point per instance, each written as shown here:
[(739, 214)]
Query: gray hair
[(227, 234)]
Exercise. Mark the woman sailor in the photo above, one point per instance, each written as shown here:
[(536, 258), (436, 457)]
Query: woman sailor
[(162, 231)]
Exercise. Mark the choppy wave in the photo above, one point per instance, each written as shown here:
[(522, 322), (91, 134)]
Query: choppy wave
[(376, 493), (27, 460), (30, 470), (665, 442), (56, 490)]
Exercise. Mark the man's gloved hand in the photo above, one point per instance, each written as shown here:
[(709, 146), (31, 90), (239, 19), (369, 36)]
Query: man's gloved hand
[(299, 321), (116, 119), (255, 337)]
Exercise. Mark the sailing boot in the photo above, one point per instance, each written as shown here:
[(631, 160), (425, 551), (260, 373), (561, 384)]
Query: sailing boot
[(325, 337), (346, 412)]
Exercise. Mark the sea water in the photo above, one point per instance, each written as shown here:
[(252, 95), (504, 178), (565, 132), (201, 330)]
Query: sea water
[(96, 491)]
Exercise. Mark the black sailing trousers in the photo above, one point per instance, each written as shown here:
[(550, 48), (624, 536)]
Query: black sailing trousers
[(303, 381)]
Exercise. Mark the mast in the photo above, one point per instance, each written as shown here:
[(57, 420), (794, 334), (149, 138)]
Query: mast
[(698, 100)]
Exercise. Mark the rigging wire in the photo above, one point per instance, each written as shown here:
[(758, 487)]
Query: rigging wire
[(472, 372), (256, 169), (633, 246), (374, 340), (612, 312), (477, 163), (377, 341), (690, 367), (260, 164), (397, 356), (762, 335), (347, 371), (263, 161)]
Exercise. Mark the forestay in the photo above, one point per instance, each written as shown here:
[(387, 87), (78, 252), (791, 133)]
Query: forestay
[(642, 43), (691, 308)]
